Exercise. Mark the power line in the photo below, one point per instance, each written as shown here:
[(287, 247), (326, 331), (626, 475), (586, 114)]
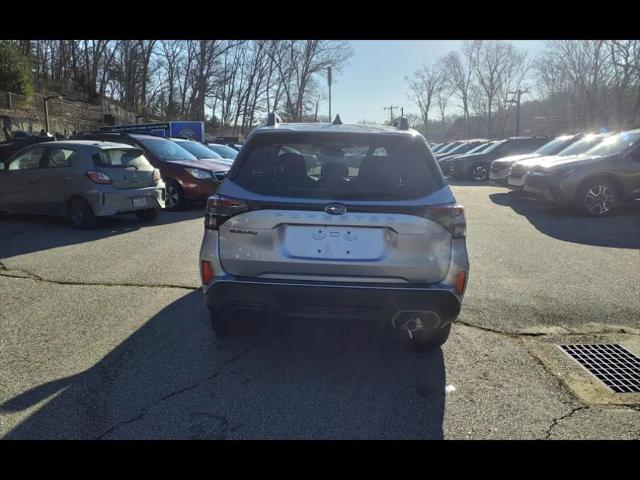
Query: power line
[(391, 107)]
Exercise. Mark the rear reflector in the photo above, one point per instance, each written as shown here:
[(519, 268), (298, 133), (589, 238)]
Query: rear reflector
[(207, 272), (461, 282)]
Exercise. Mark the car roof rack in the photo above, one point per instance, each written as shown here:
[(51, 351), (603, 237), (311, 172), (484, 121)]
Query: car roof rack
[(401, 123), (273, 119)]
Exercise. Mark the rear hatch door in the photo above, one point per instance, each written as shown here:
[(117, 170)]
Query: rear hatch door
[(127, 167)]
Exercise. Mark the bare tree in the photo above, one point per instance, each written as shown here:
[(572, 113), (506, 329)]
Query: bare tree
[(298, 61), (443, 95), (459, 71), (490, 61), (423, 86)]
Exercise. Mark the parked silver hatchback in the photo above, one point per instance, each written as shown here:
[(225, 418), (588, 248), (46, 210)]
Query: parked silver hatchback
[(82, 180), (341, 220)]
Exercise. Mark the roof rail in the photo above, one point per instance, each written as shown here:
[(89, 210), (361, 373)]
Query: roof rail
[(272, 119), (401, 123), (337, 120)]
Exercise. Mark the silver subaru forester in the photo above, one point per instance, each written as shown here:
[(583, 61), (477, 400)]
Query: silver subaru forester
[(341, 220)]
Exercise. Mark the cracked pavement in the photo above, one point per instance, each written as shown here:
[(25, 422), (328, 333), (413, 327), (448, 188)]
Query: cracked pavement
[(105, 336)]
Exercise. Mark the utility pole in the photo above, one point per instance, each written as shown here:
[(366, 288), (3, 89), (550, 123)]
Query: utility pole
[(329, 82), (519, 93), (391, 107), (46, 111)]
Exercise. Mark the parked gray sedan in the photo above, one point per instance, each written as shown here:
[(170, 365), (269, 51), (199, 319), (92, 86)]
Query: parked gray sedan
[(82, 180)]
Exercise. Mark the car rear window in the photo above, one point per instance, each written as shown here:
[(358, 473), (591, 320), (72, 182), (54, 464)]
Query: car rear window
[(120, 157), (338, 166)]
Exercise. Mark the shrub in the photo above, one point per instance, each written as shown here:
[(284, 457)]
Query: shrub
[(15, 69)]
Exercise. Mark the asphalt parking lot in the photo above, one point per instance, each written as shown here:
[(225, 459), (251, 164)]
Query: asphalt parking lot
[(105, 335)]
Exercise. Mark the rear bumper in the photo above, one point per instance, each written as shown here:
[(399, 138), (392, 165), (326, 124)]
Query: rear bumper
[(380, 301), (112, 201)]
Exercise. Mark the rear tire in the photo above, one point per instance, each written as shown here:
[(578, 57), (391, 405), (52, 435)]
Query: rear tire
[(479, 172), (597, 197), (148, 215), (175, 196), (81, 214), (427, 342)]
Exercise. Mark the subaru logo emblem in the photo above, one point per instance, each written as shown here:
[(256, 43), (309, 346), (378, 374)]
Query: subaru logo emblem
[(335, 209)]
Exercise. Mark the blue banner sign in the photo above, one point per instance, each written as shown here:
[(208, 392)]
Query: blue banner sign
[(193, 130)]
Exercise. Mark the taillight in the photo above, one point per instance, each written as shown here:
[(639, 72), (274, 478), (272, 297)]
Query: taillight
[(99, 177), (207, 272), (450, 217), (220, 209), (156, 176), (461, 282)]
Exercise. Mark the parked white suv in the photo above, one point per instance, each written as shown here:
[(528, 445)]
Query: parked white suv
[(341, 220)]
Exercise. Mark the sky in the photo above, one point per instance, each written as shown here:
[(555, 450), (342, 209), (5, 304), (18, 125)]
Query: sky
[(374, 76)]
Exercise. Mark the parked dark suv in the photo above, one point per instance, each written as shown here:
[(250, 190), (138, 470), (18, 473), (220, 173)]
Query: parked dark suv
[(475, 166), (186, 178), (347, 220), (595, 182)]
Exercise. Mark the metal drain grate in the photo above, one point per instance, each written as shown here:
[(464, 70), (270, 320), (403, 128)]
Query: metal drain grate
[(613, 365)]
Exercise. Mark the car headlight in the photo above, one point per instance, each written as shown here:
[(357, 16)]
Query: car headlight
[(196, 172)]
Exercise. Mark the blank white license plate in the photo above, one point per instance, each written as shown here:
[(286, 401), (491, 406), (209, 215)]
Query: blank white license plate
[(334, 243), (139, 202)]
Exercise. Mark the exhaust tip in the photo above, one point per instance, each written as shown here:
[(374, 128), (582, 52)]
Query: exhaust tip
[(414, 319)]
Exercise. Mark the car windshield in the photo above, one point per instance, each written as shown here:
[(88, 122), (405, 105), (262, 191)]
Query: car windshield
[(121, 157), (494, 146), (458, 148), (339, 167), (199, 150), (447, 148), (555, 145), (224, 151), (615, 143), (582, 145), (167, 150), (480, 148)]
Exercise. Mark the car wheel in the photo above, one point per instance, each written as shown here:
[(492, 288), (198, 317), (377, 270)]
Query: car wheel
[(479, 172), (175, 196), (148, 215), (425, 341), (81, 214), (597, 197)]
